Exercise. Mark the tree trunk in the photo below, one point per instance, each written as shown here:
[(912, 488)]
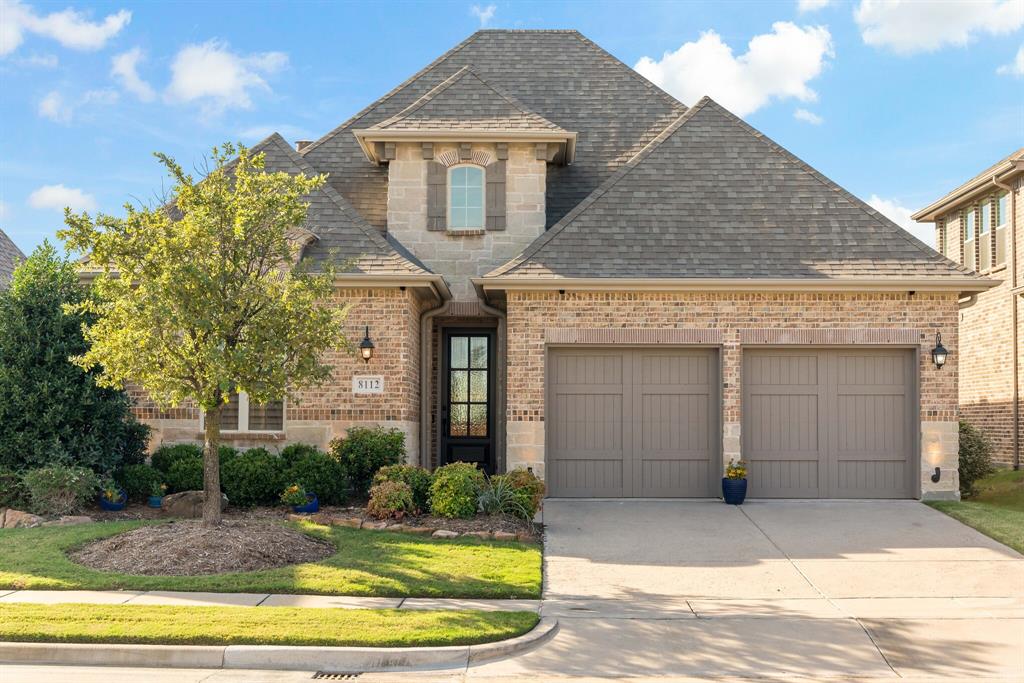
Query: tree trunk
[(211, 468)]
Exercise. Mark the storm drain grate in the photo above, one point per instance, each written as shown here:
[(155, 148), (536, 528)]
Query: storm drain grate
[(335, 676)]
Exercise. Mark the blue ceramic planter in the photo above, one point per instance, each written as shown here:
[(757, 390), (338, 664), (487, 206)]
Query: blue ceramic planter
[(155, 501), (734, 491), (312, 506), (114, 505)]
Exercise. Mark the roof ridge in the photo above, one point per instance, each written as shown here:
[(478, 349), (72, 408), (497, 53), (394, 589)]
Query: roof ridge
[(600, 190), (846, 195)]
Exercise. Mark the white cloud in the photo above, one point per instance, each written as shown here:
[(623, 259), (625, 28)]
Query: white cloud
[(926, 25), (1014, 68), (124, 68), (808, 116), (102, 96), (287, 131), (811, 5), (40, 61), (58, 196), (219, 79), (53, 107), (900, 215), (777, 65), (484, 15), (68, 27)]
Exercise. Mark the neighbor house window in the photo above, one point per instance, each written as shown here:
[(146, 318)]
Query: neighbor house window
[(1002, 226), (969, 219), (985, 237), (242, 415), (466, 198)]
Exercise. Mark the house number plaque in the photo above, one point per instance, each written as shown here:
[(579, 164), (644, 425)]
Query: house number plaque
[(368, 384)]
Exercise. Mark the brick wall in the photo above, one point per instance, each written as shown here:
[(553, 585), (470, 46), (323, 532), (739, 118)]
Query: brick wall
[(317, 415), (531, 314)]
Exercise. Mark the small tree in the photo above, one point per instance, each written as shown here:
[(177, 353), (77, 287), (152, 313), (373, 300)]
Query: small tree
[(51, 411), (206, 298)]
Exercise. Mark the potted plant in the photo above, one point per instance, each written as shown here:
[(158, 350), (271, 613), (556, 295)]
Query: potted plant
[(112, 497), (301, 500), (156, 495), (734, 483)]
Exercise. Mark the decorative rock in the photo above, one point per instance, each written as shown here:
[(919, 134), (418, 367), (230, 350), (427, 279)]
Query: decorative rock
[(420, 530), (445, 533), (188, 504), (351, 522), (16, 519), (68, 520), (505, 536), (374, 525), (484, 535), (396, 527), (525, 538)]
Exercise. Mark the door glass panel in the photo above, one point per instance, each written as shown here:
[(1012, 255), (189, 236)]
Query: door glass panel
[(460, 390), (460, 352), (477, 419), (477, 386), (478, 352), (458, 420)]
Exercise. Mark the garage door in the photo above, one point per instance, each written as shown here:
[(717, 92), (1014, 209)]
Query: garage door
[(828, 424), (632, 422)]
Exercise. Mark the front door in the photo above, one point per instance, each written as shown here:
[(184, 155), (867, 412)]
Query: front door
[(467, 398)]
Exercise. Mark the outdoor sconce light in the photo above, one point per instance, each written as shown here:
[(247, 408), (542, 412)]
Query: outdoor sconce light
[(366, 346), (939, 353), (937, 474)]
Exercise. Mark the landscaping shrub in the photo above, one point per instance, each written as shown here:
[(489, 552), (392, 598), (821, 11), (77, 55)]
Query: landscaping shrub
[(165, 456), (138, 481), (318, 473), (296, 451), (60, 489), (416, 478), (529, 488), (255, 477), (517, 493), (13, 493), (186, 474), (390, 500), (226, 453), (455, 490), (975, 457), (52, 411), (364, 450)]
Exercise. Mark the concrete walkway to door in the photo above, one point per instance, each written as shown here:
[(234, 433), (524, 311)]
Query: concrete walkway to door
[(819, 589)]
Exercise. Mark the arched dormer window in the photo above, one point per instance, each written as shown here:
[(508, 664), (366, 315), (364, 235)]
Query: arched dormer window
[(466, 197)]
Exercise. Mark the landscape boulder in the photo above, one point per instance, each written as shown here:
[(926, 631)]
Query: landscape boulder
[(188, 504), (68, 520), (16, 519)]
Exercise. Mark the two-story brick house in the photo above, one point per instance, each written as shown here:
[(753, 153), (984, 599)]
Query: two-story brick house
[(981, 225), (562, 267)]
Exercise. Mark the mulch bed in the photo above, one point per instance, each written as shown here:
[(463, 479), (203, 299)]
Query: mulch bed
[(187, 548)]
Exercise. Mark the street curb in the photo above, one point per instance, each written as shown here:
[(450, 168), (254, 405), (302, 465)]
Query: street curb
[(275, 656)]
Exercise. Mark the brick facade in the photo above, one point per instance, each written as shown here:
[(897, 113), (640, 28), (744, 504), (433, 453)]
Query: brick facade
[(318, 415), (986, 330), (917, 317)]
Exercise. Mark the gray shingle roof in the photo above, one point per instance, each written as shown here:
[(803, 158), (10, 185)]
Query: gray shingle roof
[(559, 75), (10, 255), (466, 102), (342, 234), (712, 197)]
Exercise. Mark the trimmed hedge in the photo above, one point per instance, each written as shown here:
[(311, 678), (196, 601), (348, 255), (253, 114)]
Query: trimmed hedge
[(138, 481), (416, 478), (255, 477), (455, 490), (364, 450), (318, 473)]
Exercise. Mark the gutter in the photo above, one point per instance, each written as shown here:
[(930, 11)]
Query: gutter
[(1014, 288), (961, 194)]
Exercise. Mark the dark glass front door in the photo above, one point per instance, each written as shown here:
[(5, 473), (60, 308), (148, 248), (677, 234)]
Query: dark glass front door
[(467, 392)]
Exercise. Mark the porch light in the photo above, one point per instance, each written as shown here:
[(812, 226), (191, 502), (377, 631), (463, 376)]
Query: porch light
[(366, 346), (939, 353), (937, 474)]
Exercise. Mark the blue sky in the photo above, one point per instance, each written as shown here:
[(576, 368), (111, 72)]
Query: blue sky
[(897, 102)]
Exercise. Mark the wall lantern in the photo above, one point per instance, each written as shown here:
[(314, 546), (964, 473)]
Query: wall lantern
[(366, 346), (937, 474), (939, 353)]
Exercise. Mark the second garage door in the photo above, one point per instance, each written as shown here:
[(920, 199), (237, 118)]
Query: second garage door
[(632, 422), (829, 423)]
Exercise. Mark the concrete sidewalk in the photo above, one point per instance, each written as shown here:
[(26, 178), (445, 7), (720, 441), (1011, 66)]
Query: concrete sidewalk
[(183, 598)]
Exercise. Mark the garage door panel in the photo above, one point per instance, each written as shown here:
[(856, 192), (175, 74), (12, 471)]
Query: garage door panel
[(783, 478), (588, 422), (585, 478), (778, 371), (783, 425), (674, 478)]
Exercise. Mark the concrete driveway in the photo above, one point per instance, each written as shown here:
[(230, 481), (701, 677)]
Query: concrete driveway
[(819, 589)]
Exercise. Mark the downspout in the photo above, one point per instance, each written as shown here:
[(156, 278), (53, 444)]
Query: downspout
[(426, 357), (1013, 317), (499, 389)]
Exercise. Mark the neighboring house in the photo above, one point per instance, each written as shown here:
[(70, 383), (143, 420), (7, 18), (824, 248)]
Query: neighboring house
[(564, 268), (981, 225), (10, 255)]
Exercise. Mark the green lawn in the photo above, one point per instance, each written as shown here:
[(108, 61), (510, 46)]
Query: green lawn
[(70, 623), (997, 510), (368, 563)]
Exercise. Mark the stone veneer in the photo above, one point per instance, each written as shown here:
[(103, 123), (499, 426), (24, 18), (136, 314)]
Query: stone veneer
[(320, 414), (461, 256), (532, 314)]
